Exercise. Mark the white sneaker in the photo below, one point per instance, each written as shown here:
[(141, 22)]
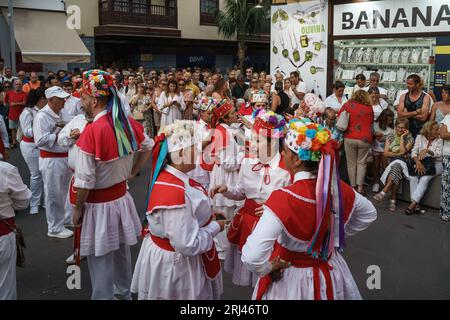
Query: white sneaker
[(376, 188), (66, 233)]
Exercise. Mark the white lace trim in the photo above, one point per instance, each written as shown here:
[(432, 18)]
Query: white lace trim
[(299, 197)]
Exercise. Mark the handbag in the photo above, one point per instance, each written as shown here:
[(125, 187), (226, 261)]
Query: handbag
[(428, 163), (343, 120), (20, 245)]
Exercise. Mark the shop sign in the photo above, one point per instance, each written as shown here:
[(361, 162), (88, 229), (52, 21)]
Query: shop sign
[(387, 17), (146, 57), (299, 39)]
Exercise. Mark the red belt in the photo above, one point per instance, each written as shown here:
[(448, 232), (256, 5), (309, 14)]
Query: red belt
[(5, 224), (48, 154), (300, 260), (243, 223), (100, 195), (210, 259), (29, 140)]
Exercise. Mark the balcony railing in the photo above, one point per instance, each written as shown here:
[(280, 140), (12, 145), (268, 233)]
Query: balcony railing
[(138, 12)]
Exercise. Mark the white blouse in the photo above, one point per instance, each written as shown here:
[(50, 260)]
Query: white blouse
[(184, 226), (251, 183), (14, 194), (171, 113), (26, 121), (333, 102), (258, 248), (421, 143)]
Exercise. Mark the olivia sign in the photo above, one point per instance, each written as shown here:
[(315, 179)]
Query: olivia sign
[(387, 17)]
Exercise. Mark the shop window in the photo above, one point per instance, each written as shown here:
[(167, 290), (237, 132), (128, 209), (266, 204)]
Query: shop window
[(139, 6), (208, 11)]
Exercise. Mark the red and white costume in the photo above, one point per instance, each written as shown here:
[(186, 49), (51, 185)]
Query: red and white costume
[(228, 157), (4, 138), (201, 173), (178, 259), (54, 168), (14, 195), (110, 221), (255, 184), (30, 153), (290, 229)]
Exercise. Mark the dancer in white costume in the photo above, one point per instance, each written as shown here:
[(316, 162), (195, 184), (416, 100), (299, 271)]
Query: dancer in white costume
[(104, 210), (36, 101), (14, 195), (53, 163), (260, 174), (307, 222), (178, 259), (227, 155)]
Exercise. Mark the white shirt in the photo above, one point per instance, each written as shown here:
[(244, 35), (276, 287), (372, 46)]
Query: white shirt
[(92, 174), (46, 132), (446, 148), (184, 226), (4, 134), (421, 143), (333, 102), (64, 140), (202, 133), (125, 103), (26, 121), (72, 108), (171, 113), (251, 183), (258, 248), (301, 87), (14, 194)]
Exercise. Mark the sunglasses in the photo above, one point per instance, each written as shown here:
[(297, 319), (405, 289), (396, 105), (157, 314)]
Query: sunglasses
[(182, 84)]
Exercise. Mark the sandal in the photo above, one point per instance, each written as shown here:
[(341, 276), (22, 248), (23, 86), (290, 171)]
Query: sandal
[(380, 196), (408, 211), (419, 210), (392, 207)]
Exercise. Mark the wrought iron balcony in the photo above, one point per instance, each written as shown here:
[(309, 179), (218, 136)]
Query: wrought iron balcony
[(138, 13)]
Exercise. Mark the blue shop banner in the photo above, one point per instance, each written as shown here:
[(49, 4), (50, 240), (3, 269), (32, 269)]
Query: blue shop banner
[(196, 60)]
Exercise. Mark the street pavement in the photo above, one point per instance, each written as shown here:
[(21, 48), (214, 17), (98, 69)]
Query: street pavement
[(412, 253)]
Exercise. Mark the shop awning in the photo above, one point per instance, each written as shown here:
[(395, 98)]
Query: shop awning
[(43, 37)]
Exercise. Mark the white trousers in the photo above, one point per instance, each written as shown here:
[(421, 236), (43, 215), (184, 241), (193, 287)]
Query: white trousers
[(111, 274), (8, 255), (221, 240), (56, 175), (419, 184), (30, 154)]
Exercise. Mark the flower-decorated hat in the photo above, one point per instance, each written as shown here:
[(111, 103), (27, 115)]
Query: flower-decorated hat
[(268, 123), (96, 83), (223, 108), (179, 135), (307, 139), (207, 104), (312, 106), (260, 96)]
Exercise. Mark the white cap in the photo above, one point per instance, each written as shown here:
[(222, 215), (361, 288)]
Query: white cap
[(56, 92), (180, 135)]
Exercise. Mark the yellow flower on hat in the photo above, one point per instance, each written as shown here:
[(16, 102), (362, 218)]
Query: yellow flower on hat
[(302, 130), (323, 136)]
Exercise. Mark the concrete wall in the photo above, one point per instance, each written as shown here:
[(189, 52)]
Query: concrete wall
[(189, 21), (51, 5), (89, 16)]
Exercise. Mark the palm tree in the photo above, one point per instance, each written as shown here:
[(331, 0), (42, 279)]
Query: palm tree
[(242, 19)]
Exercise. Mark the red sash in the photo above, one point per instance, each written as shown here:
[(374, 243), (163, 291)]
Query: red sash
[(210, 259), (243, 223), (6, 225), (100, 195), (299, 260), (48, 154), (26, 139)]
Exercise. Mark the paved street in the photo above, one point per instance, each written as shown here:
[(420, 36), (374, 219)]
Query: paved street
[(412, 252)]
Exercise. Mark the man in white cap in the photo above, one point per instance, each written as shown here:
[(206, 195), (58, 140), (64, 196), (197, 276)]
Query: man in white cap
[(53, 162)]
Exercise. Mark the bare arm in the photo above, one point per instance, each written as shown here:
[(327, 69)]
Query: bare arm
[(276, 101), (142, 159)]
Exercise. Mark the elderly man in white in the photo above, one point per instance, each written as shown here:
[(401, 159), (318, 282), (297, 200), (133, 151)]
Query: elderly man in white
[(14, 195), (53, 163)]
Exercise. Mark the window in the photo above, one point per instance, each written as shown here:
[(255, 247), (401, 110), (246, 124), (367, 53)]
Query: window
[(208, 11), (139, 6), (121, 6)]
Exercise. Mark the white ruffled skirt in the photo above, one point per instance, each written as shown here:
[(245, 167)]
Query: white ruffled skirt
[(234, 266), (298, 283), (107, 225), (164, 275)]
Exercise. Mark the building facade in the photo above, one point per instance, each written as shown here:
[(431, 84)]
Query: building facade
[(161, 34)]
